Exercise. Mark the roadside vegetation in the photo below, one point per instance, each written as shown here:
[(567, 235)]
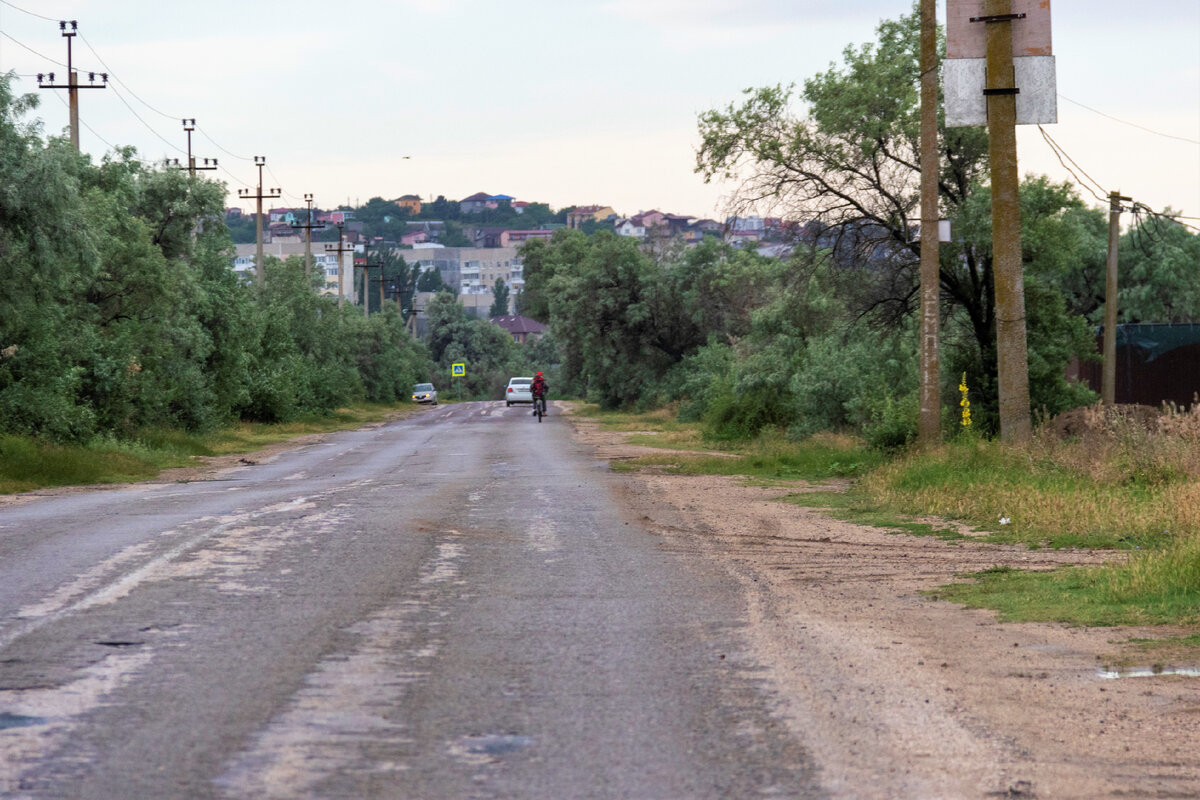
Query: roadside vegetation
[(1118, 484), (27, 463)]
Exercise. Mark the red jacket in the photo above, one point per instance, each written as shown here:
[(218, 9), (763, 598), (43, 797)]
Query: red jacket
[(538, 387)]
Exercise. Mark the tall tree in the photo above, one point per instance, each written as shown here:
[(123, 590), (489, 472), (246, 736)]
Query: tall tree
[(500, 294)]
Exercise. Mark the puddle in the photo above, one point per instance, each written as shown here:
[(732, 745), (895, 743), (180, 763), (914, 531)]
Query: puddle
[(10, 720), (1147, 672)]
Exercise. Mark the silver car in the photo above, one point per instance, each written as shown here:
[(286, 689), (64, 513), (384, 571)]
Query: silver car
[(425, 393), (518, 391)]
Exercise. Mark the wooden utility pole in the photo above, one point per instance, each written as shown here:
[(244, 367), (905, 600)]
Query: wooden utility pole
[(308, 229), (260, 162), (929, 424), (340, 250), (1108, 376), (72, 85), (1012, 360)]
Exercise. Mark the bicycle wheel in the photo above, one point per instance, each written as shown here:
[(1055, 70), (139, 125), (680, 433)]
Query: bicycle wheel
[(541, 409)]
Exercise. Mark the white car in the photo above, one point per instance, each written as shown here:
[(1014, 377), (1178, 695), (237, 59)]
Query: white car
[(518, 391)]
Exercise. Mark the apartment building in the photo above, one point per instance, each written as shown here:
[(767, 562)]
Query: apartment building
[(473, 270), (323, 262)]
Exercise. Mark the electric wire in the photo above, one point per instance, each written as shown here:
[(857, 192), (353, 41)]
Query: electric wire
[(116, 80), (30, 49), (112, 147), (114, 88), (1062, 154), (219, 147), (1131, 124), (113, 75), (235, 177), (150, 128), (279, 183), (26, 11)]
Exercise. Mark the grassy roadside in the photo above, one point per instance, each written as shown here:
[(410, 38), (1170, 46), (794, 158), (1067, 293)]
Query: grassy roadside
[(27, 464), (1122, 489)]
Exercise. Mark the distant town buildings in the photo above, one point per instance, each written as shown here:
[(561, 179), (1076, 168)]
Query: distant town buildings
[(495, 254)]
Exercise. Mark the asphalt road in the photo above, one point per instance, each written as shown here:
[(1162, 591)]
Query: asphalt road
[(449, 606)]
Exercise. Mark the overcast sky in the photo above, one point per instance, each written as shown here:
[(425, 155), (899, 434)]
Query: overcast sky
[(565, 102)]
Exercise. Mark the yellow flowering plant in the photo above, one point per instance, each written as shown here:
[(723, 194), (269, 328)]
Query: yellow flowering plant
[(965, 403)]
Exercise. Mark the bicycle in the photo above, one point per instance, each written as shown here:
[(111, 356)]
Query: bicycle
[(539, 407)]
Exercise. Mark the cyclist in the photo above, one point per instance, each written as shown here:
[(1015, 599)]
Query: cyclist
[(538, 390)]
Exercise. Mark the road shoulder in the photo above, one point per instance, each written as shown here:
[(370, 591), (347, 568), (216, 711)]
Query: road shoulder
[(899, 695)]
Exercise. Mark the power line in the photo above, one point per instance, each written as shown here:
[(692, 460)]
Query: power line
[(222, 149), (30, 49), (280, 183), (24, 11), (1131, 124), (230, 174), (123, 84), (152, 108), (1061, 154), (147, 124), (93, 131)]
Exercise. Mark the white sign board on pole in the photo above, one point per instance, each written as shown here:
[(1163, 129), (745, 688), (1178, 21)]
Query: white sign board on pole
[(963, 82), (964, 70)]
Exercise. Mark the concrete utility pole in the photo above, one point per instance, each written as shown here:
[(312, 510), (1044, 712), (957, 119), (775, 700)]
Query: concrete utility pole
[(308, 229), (72, 85), (1108, 376), (260, 162), (366, 295), (189, 125), (382, 281), (340, 250), (1012, 360), (929, 424)]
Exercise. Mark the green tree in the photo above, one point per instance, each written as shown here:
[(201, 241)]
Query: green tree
[(383, 218), (500, 302), (489, 352), (1158, 259), (119, 310), (430, 280)]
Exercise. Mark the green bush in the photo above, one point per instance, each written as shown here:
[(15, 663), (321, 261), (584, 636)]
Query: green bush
[(893, 424)]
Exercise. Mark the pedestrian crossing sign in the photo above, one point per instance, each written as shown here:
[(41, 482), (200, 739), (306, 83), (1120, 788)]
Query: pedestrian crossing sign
[(458, 370)]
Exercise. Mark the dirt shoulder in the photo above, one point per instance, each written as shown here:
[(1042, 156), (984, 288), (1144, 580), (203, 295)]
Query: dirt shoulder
[(900, 696)]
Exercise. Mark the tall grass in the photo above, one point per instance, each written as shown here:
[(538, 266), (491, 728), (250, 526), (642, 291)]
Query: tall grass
[(27, 464)]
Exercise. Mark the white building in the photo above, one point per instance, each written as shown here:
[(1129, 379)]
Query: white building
[(323, 262)]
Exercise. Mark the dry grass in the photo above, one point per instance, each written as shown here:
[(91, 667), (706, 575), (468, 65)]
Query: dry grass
[(1119, 480)]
